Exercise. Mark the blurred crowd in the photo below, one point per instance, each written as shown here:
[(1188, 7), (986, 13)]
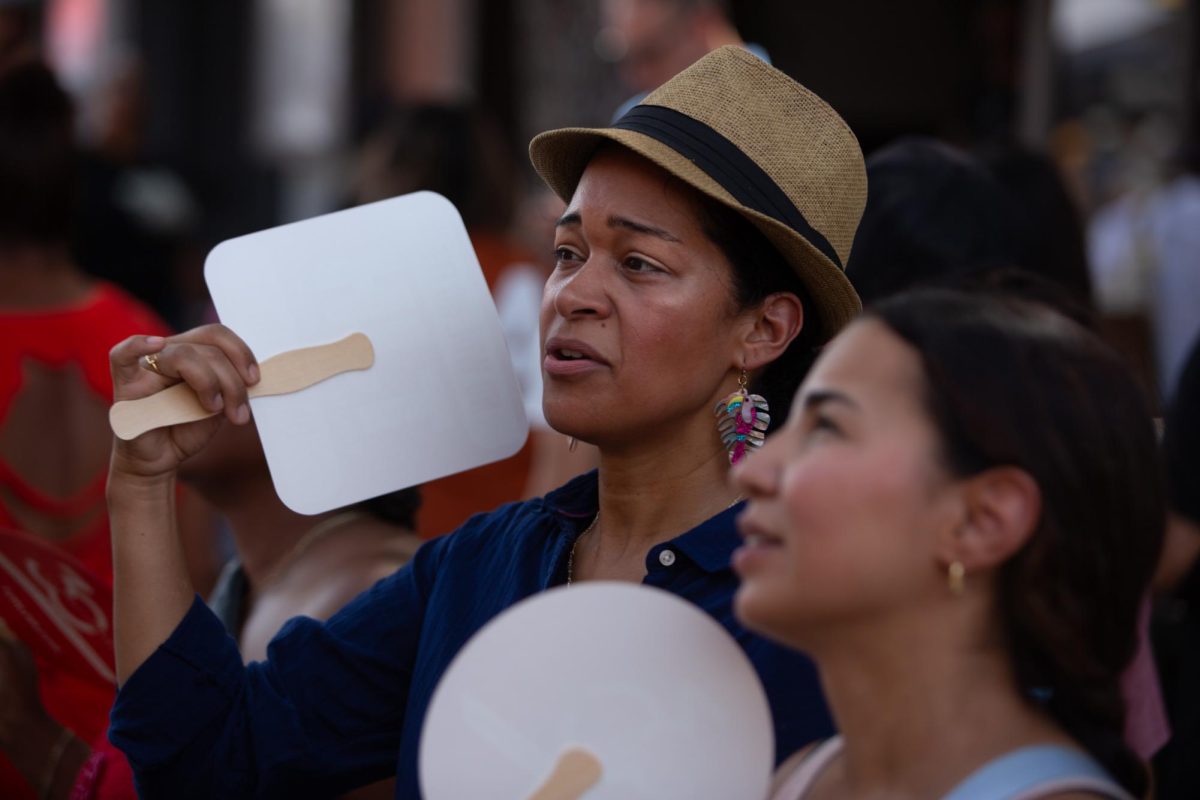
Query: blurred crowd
[(101, 238)]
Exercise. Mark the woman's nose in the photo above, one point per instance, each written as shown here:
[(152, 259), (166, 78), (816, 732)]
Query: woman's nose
[(582, 293)]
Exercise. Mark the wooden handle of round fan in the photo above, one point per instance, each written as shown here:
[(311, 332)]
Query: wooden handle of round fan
[(576, 771)]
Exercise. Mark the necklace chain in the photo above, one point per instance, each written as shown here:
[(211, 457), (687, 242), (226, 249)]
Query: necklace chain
[(592, 524), (574, 544)]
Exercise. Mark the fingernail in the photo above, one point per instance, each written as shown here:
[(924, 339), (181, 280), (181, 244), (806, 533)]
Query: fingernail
[(154, 341), (242, 414), (254, 375), (218, 402)]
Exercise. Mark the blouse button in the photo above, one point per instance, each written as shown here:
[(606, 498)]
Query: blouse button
[(666, 558)]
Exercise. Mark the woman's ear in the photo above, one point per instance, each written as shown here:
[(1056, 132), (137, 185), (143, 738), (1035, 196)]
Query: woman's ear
[(1001, 507), (776, 322)]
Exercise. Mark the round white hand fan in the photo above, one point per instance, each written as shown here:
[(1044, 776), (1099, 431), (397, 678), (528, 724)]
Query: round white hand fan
[(599, 691)]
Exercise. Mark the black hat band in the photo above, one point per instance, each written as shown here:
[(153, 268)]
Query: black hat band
[(726, 164)]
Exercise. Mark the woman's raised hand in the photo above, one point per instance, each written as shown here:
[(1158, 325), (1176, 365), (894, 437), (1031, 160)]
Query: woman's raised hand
[(212, 360)]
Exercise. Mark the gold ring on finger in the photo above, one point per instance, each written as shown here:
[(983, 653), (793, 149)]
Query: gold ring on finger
[(151, 363)]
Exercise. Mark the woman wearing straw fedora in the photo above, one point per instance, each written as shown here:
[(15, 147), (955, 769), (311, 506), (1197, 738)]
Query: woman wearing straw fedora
[(699, 263)]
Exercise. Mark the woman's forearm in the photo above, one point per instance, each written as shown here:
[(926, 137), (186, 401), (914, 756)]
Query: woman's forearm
[(152, 590)]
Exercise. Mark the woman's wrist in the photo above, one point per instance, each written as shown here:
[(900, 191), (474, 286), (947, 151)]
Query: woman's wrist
[(128, 486)]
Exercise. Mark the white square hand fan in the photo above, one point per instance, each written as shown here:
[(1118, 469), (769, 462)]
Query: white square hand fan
[(426, 390)]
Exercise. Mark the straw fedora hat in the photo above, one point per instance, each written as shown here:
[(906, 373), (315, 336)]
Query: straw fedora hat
[(750, 137)]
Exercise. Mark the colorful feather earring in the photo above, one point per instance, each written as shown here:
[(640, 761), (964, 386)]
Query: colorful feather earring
[(742, 420)]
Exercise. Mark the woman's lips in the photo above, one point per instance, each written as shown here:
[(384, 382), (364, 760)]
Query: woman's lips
[(753, 555), (758, 547), (561, 367), (570, 357), (759, 540)]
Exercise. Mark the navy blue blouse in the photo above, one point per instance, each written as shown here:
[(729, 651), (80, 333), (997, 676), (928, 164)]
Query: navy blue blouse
[(335, 702)]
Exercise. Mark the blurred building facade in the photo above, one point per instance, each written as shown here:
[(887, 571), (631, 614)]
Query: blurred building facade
[(259, 106), (250, 86)]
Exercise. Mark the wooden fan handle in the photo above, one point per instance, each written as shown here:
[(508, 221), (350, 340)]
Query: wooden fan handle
[(284, 373), (576, 771)]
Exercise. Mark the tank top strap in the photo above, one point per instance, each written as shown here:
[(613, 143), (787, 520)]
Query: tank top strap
[(1034, 772), (795, 784)]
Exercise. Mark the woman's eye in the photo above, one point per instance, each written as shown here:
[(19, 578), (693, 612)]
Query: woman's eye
[(635, 264), (822, 424), (563, 255)]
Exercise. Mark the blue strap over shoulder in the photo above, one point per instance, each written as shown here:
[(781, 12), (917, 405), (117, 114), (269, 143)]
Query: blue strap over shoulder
[(1024, 770)]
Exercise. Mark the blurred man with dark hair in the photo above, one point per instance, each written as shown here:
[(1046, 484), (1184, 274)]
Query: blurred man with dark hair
[(1049, 224), (933, 215), (938, 215)]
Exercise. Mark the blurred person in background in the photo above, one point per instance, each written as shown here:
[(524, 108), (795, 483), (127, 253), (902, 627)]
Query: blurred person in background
[(1048, 225), (934, 214), (963, 551), (939, 216), (287, 564), (653, 40), (1177, 614), (56, 328), (1143, 248), (136, 216)]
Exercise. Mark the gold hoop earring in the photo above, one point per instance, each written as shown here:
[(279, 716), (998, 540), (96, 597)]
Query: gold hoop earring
[(956, 578)]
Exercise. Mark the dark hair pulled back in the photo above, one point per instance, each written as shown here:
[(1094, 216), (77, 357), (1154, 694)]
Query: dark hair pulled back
[(1014, 383)]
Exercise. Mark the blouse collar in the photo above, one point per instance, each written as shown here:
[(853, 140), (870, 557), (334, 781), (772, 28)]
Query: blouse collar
[(709, 545)]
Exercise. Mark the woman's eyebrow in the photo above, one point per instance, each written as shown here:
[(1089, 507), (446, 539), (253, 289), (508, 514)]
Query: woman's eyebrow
[(573, 218), (638, 227), (822, 397)]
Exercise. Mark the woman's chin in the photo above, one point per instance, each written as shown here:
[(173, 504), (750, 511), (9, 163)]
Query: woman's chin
[(751, 611), (749, 606), (765, 615), (571, 420)]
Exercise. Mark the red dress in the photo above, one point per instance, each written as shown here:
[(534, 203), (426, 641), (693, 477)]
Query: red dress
[(81, 335), (76, 337)]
